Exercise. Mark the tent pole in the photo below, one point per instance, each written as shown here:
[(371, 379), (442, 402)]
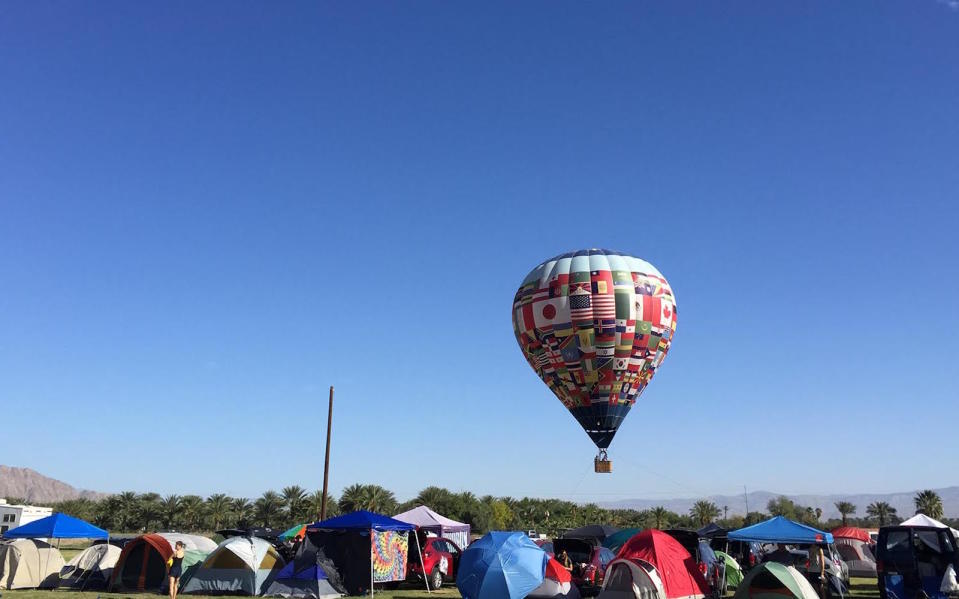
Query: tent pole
[(422, 563)]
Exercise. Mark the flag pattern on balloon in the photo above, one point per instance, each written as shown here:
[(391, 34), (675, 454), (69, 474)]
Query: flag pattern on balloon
[(595, 325)]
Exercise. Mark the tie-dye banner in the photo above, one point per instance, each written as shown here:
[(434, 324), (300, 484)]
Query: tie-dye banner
[(389, 551)]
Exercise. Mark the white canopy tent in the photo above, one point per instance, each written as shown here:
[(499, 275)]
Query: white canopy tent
[(924, 520)]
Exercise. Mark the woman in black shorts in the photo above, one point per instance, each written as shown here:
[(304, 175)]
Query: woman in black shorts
[(176, 568)]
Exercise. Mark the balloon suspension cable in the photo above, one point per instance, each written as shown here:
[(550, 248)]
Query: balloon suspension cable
[(602, 463)]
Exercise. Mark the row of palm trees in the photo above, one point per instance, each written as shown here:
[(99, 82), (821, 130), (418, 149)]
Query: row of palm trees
[(927, 502), (132, 512)]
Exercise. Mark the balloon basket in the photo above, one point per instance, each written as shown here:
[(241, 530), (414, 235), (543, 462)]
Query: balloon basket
[(602, 464)]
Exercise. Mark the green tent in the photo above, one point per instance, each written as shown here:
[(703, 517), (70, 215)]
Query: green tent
[(770, 580), (616, 540), (192, 560), (734, 574)]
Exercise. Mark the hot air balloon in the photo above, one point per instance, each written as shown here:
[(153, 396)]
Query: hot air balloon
[(595, 325)]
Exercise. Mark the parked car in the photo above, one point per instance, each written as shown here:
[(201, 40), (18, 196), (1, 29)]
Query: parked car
[(441, 558), (746, 553), (911, 561), (589, 563), (712, 568)]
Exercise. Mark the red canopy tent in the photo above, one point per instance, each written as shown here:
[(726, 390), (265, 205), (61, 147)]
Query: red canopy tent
[(677, 569), (851, 532)]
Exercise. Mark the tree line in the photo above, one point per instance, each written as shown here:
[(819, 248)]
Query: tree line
[(143, 512)]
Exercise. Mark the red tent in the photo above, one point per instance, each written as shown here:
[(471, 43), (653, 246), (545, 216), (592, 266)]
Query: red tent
[(677, 569), (557, 572), (851, 532)]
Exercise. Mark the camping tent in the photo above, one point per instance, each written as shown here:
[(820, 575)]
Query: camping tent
[(857, 556), (29, 564), (594, 533), (733, 573), (677, 570), (616, 540), (426, 519), (924, 520), (142, 563), (770, 580), (780, 530), (366, 548), (501, 565), (91, 568), (632, 579), (557, 583), (851, 532), (239, 565), (57, 526), (311, 582), (197, 542)]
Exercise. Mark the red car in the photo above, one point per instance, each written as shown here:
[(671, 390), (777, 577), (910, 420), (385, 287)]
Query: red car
[(442, 558)]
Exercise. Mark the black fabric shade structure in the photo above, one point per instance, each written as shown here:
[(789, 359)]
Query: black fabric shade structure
[(595, 533)]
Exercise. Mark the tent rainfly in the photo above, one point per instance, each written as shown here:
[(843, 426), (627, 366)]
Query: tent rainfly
[(91, 568), (426, 519), (243, 565), (29, 564)]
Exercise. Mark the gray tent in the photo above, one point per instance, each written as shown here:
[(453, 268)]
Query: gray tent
[(245, 565)]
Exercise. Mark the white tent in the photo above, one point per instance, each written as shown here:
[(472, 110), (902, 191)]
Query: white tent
[(91, 568), (189, 541), (632, 579), (924, 520), (29, 564), (239, 565)]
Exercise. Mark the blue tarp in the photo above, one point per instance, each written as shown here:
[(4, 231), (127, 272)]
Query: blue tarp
[(780, 530), (57, 526), (501, 565), (361, 520)]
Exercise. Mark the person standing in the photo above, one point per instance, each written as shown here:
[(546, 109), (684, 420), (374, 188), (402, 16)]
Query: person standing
[(563, 559), (175, 565), (816, 570)]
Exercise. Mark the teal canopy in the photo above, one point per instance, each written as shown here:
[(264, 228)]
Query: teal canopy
[(616, 540)]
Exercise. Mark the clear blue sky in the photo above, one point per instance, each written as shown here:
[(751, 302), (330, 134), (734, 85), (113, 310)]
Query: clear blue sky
[(210, 212)]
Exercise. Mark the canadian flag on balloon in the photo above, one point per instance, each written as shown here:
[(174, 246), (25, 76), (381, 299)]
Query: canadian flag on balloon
[(668, 314)]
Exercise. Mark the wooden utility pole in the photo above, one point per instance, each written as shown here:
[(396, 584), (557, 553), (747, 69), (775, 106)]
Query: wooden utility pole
[(326, 462)]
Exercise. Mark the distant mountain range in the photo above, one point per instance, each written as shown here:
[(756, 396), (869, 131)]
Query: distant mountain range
[(758, 500), (35, 487)]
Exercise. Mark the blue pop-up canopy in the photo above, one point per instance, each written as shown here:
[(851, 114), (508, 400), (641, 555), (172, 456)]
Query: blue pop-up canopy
[(57, 526), (361, 520), (780, 530)]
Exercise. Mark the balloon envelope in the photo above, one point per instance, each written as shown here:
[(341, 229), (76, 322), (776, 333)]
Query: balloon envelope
[(595, 325)]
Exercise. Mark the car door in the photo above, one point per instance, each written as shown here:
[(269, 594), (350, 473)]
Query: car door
[(444, 559), (455, 553)]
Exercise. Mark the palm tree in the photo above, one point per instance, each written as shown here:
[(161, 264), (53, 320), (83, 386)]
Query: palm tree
[(170, 511), (129, 511), (436, 498), (660, 515), (193, 511), (268, 507), (881, 511), (704, 512), (218, 508), (351, 498), (242, 511), (929, 503), (294, 496), (314, 504), (375, 498), (150, 510), (845, 508)]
